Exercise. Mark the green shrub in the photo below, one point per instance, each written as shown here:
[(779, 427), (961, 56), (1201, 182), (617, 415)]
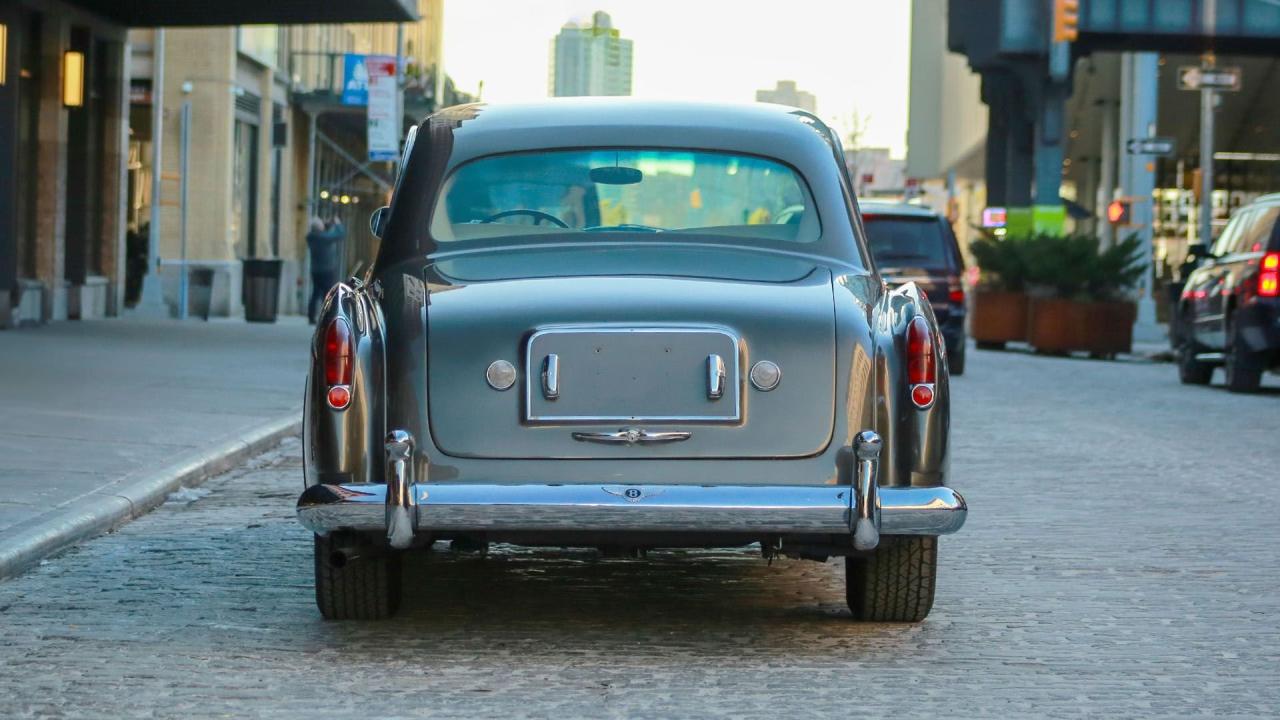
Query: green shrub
[(1067, 266)]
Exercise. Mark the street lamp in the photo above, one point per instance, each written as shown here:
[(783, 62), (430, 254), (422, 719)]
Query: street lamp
[(73, 79)]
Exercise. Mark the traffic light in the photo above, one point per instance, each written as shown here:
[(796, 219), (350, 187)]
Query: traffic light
[(1066, 20), (1120, 212)]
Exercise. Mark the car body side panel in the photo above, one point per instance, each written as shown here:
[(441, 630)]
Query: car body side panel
[(340, 444)]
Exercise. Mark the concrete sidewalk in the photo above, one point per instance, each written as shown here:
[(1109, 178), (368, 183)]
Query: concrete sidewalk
[(100, 420)]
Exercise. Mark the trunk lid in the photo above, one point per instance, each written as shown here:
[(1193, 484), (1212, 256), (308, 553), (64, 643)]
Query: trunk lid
[(656, 356)]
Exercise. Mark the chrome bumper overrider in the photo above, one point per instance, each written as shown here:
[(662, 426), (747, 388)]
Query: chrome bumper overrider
[(692, 508)]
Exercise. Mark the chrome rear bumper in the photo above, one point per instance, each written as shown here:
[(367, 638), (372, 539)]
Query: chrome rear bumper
[(768, 510)]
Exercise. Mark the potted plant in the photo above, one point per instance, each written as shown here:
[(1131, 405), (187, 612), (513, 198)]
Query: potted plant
[(999, 313), (1079, 295)]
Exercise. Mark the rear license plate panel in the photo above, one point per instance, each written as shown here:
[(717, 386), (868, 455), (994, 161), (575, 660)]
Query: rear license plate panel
[(632, 375)]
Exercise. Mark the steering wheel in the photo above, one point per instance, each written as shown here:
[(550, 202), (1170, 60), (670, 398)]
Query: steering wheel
[(538, 216)]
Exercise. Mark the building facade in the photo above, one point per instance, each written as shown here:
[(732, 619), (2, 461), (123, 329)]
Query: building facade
[(250, 191), (590, 59), (67, 158), (785, 92)]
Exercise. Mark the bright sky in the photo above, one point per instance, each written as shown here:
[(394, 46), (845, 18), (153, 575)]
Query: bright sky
[(851, 54)]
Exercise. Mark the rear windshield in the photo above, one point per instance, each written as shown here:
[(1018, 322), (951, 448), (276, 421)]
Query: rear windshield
[(582, 194), (906, 241)]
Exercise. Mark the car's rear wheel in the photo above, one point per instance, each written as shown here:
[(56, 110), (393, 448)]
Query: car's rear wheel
[(1243, 367), (1190, 370), (355, 579), (895, 583)]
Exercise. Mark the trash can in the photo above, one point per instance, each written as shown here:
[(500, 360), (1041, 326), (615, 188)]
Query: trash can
[(201, 286), (261, 289)]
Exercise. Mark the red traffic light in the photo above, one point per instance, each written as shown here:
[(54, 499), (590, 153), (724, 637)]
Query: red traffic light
[(1119, 212)]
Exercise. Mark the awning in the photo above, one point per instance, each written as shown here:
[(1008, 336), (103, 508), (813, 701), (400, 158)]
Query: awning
[(171, 13)]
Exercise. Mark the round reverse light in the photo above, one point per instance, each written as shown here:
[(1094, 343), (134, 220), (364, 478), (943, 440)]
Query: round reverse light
[(339, 397), (766, 375), (501, 375), (922, 395)]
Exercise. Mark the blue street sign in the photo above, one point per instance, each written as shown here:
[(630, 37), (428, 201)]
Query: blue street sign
[(355, 80)]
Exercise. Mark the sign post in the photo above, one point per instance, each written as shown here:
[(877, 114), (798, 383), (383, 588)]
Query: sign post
[(383, 126)]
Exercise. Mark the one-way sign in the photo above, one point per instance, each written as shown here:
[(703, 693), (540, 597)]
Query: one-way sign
[(1151, 146), (1191, 77)]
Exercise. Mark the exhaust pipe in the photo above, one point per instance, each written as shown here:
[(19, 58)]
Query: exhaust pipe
[(339, 558)]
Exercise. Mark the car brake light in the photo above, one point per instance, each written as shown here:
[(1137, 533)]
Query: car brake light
[(1269, 278), (956, 296), (922, 366), (337, 362)]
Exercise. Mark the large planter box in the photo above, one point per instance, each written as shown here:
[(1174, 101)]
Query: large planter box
[(1098, 328), (998, 317)]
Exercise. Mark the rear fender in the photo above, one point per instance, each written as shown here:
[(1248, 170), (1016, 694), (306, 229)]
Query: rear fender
[(343, 445), (916, 441)]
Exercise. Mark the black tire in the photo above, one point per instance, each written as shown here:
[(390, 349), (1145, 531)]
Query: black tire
[(366, 587), (989, 345), (955, 359), (1190, 370), (1242, 367), (896, 582)]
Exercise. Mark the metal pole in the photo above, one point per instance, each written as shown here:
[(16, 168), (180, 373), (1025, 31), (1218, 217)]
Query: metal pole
[(399, 87), (151, 297), (1106, 173), (1208, 98), (1145, 77), (183, 157)]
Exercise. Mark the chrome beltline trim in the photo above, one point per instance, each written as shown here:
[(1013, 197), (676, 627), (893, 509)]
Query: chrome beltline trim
[(769, 509)]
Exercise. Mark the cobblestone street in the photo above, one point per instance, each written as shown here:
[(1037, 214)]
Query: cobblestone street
[(1120, 559)]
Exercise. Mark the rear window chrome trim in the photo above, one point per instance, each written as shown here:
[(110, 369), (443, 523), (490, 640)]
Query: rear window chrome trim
[(532, 372)]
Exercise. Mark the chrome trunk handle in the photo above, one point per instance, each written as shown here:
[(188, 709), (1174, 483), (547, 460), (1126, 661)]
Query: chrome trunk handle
[(715, 377), (551, 377), (631, 436)]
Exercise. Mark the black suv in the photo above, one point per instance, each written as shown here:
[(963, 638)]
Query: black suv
[(913, 242), (1229, 312)]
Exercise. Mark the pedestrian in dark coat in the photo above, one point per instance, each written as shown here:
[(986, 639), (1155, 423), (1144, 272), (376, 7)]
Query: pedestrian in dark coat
[(324, 246)]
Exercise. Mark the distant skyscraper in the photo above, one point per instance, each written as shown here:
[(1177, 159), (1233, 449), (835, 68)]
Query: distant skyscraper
[(590, 60), (786, 94)]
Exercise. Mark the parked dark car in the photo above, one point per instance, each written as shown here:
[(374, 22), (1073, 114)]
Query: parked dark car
[(914, 243), (627, 325), (1229, 313)]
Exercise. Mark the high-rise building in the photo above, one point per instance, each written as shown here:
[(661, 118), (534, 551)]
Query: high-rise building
[(786, 93), (590, 59)]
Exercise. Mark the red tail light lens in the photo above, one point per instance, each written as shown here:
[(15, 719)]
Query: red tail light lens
[(1269, 278), (338, 353), (922, 367), (956, 296)]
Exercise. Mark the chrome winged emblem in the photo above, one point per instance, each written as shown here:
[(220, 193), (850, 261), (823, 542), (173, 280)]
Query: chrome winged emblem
[(632, 494), (631, 436)]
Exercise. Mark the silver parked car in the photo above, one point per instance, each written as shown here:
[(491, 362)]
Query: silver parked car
[(613, 323)]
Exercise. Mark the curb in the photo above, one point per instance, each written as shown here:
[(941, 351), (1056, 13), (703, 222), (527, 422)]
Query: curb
[(112, 506)]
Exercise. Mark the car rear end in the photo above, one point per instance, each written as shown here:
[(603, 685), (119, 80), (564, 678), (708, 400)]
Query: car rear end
[(912, 243)]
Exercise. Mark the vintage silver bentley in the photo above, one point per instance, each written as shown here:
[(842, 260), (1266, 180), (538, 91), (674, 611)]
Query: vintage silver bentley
[(626, 325)]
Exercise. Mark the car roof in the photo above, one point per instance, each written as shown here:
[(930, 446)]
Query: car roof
[(882, 207), (627, 112)]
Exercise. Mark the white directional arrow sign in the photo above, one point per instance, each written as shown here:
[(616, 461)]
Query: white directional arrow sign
[(1151, 146), (1226, 79)]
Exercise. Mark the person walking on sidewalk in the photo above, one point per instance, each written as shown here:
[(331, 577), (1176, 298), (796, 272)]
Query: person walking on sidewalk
[(323, 244)]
